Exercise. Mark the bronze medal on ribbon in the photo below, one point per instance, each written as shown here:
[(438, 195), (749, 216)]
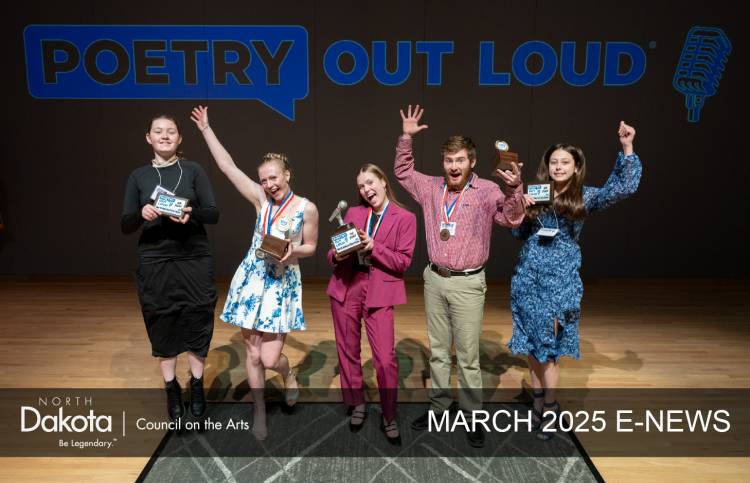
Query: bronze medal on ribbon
[(445, 234)]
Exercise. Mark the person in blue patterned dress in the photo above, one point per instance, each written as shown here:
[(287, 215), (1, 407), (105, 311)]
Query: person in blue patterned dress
[(265, 296), (546, 287)]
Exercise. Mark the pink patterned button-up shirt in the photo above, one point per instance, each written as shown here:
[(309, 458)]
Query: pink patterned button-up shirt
[(482, 204)]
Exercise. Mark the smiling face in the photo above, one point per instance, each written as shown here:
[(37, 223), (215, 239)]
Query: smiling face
[(562, 167), (164, 137), (372, 189), (457, 167), (274, 180)]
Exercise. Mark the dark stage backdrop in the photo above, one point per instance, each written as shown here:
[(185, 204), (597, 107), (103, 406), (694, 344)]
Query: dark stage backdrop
[(65, 161)]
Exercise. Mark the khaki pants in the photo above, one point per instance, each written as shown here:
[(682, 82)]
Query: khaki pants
[(455, 307)]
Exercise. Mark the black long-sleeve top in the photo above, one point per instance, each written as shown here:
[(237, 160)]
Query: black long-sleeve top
[(163, 238)]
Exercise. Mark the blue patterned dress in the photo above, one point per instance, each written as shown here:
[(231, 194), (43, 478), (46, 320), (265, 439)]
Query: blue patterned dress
[(264, 295), (546, 284)]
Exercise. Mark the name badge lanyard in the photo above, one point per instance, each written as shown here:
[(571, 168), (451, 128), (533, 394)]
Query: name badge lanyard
[(449, 212), (557, 223), (371, 232), (174, 190), (269, 220)]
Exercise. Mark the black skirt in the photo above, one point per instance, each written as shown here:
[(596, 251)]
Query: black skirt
[(178, 298)]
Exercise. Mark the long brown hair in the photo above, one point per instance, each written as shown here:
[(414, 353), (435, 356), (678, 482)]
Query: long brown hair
[(570, 202), (375, 169)]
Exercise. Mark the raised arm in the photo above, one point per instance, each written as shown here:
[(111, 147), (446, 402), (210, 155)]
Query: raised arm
[(624, 179), (412, 180), (510, 206), (251, 190)]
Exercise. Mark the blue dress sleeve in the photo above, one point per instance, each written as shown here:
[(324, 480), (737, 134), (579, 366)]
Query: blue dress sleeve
[(622, 182)]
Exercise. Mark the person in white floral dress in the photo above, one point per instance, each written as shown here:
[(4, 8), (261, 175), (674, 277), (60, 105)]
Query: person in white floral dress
[(265, 297)]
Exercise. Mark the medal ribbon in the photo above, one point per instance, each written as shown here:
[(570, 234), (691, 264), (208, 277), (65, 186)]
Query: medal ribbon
[(371, 232), (449, 212), (268, 220)]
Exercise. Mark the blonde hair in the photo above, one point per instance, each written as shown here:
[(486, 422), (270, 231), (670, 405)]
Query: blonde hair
[(277, 158)]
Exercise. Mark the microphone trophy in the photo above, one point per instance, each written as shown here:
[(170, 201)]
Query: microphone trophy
[(345, 239)]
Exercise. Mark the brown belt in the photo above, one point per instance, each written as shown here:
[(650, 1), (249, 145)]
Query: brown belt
[(446, 272)]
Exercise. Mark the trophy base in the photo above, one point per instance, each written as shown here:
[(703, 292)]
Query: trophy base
[(273, 247), (504, 161), (171, 205), (345, 240)]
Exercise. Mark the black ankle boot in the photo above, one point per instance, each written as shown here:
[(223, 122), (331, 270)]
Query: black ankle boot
[(174, 399), (197, 397)]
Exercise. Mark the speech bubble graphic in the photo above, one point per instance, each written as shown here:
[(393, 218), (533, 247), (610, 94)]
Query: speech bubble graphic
[(264, 63)]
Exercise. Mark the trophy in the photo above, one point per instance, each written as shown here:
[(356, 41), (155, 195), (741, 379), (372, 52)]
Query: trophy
[(504, 157), (345, 239), (273, 247), (170, 205), (542, 192)]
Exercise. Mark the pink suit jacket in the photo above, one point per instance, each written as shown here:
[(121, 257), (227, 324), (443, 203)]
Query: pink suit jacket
[(391, 256)]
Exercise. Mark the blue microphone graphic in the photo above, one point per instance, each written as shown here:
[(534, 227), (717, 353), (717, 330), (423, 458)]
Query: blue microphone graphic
[(701, 63)]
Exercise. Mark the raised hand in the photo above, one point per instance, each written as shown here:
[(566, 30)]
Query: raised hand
[(410, 121), (627, 135), (200, 117), (511, 178)]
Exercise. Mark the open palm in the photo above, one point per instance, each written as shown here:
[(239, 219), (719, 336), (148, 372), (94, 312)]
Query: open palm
[(200, 117), (411, 119)]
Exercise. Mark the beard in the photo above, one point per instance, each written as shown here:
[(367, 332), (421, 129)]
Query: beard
[(457, 186)]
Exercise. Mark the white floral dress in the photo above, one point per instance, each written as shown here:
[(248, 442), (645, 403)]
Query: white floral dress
[(265, 295)]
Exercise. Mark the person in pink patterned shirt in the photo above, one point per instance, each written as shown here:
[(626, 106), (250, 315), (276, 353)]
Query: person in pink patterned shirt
[(459, 210)]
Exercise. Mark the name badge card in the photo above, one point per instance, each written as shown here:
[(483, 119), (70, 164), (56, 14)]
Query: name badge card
[(548, 232), (170, 205), (160, 190)]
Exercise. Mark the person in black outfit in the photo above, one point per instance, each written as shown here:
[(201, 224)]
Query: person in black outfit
[(175, 268)]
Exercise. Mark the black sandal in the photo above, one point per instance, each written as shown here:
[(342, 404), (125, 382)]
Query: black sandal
[(390, 427), (536, 420), (360, 414)]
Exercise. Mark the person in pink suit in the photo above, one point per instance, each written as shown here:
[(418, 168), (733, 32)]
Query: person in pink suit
[(366, 285)]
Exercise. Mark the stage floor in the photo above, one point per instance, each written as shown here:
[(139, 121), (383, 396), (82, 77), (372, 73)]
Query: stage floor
[(88, 333)]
